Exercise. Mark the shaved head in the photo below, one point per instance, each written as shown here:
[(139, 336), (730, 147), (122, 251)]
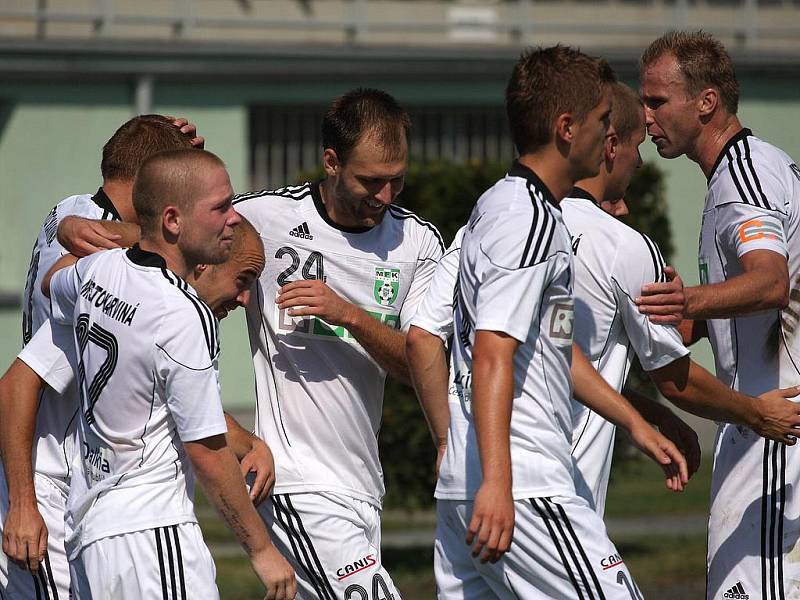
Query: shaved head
[(172, 177)]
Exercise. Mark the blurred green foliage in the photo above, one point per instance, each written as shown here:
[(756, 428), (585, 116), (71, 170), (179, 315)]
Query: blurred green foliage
[(444, 193)]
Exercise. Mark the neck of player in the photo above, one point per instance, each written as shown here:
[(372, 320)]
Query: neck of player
[(552, 169), (176, 261)]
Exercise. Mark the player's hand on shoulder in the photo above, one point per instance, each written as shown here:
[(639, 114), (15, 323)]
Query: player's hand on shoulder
[(261, 463), (777, 417), (492, 525), (275, 573), (664, 302), (663, 452), (309, 297), (25, 535), (189, 129), (82, 237)]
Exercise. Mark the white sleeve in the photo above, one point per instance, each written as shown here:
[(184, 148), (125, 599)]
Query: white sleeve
[(51, 355), (65, 287), (190, 377), (635, 265), (508, 299), (745, 227), (431, 249), (435, 314)]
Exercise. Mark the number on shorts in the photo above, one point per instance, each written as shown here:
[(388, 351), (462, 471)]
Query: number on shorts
[(380, 591), (622, 578), (105, 340)]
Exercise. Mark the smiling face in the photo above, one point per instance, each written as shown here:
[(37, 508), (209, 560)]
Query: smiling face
[(589, 135), (227, 286), (670, 112), (366, 183)]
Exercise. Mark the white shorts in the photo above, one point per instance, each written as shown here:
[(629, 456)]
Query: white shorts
[(167, 563), (334, 544), (52, 580), (754, 518), (560, 550)]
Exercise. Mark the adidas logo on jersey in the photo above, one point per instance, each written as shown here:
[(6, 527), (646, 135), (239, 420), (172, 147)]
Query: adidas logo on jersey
[(736, 593), (301, 231)]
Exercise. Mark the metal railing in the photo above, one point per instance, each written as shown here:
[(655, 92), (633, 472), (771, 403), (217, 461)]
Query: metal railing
[(414, 21)]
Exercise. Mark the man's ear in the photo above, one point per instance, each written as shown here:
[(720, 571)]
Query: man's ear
[(199, 270), (707, 102), (171, 219), (330, 162), (564, 127), (611, 147)]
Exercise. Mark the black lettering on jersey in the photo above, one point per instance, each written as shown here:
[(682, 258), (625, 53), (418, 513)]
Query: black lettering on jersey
[(27, 308), (315, 262), (575, 242), (796, 170), (622, 579), (113, 307), (51, 226), (380, 590)]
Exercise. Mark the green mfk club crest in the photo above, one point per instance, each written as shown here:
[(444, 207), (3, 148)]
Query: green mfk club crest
[(387, 285)]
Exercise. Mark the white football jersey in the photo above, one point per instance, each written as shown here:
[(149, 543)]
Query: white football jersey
[(319, 393), (147, 350), (53, 439), (514, 277), (612, 262), (753, 203)]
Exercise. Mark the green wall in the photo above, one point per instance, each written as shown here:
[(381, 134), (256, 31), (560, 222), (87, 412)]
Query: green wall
[(51, 135)]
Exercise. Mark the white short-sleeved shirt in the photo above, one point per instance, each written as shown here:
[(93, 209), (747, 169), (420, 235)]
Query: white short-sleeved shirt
[(319, 392), (54, 435), (753, 203), (147, 350), (515, 277), (612, 262)]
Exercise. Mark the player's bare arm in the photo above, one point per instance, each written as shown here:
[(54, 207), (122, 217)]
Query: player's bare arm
[(692, 331), (24, 530), (669, 424), (764, 285), (592, 390), (218, 473), (312, 297), (65, 261), (690, 387), (428, 367), (670, 306), (81, 236), (492, 525), (254, 456)]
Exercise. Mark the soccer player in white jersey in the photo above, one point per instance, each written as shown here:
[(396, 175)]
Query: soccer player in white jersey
[(147, 429), (121, 157), (511, 364), (345, 271), (612, 262), (44, 362), (749, 262)]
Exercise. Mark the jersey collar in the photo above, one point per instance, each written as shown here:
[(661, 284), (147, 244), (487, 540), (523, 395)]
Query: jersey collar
[(519, 170), (320, 206), (103, 201), (738, 137), (582, 193), (144, 258)]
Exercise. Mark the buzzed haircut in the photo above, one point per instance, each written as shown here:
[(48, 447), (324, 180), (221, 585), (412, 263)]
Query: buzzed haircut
[(548, 82), (168, 178), (627, 114), (361, 113), (134, 141), (703, 62)]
